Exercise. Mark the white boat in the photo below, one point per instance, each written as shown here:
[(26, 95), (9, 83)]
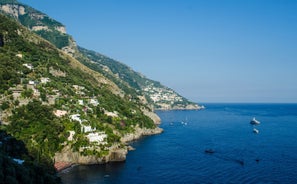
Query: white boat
[(255, 131), (255, 122)]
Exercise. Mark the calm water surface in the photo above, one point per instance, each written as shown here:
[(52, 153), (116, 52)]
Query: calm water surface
[(178, 155)]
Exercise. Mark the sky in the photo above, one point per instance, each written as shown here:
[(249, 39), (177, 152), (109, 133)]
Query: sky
[(206, 50)]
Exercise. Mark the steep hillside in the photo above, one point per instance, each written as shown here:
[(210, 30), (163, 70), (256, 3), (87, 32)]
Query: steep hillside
[(59, 107), (37, 22), (131, 82), (153, 92)]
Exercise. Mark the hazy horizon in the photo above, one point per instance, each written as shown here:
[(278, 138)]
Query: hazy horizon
[(208, 51)]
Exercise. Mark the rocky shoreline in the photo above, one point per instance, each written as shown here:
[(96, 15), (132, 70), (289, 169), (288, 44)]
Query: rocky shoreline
[(66, 158), (188, 107)]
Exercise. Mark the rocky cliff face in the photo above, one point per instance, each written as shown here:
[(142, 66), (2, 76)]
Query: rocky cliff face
[(68, 156), (139, 132), (18, 11), (39, 23), (13, 9), (116, 152)]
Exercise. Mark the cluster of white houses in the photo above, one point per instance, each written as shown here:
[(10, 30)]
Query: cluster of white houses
[(161, 94), (93, 135), (162, 97)]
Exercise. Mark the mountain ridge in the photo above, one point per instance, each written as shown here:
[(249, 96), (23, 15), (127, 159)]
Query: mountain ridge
[(157, 95)]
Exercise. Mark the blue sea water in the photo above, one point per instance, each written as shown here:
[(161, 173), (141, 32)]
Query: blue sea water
[(178, 155)]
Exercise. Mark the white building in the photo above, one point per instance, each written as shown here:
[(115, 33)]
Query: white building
[(94, 102), (19, 55), (80, 102), (75, 117), (70, 138), (31, 82), (44, 80), (86, 129), (60, 113), (112, 114), (97, 137), (29, 66)]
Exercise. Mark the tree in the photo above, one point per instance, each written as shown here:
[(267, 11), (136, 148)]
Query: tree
[(37, 126), (27, 93), (5, 105)]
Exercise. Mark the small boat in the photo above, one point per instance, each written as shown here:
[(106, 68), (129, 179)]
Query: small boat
[(255, 131), (184, 123), (209, 151), (255, 122)]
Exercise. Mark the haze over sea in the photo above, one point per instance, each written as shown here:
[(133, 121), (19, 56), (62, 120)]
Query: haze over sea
[(178, 155)]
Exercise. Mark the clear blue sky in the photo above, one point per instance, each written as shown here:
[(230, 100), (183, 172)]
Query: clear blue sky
[(208, 51)]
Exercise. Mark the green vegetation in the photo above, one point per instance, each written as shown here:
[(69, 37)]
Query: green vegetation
[(33, 18), (29, 171), (36, 125), (36, 79), (126, 74), (1, 41), (132, 83), (55, 37)]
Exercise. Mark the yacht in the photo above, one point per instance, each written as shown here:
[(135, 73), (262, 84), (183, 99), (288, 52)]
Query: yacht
[(255, 122), (255, 131)]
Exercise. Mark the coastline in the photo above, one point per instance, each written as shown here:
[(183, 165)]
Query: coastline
[(66, 158), (188, 107), (60, 166), (180, 109)]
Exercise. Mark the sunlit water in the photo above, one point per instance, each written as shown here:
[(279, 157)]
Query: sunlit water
[(178, 155)]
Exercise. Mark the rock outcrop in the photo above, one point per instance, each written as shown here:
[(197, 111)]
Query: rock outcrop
[(41, 20), (116, 153), (139, 132), (153, 116), (68, 156), (13, 9)]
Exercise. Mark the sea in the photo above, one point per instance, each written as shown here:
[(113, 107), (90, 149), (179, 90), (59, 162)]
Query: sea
[(214, 145)]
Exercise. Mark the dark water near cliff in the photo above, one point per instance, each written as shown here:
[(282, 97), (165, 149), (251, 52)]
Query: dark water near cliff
[(177, 155)]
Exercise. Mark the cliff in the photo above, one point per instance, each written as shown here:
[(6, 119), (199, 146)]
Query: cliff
[(117, 152)]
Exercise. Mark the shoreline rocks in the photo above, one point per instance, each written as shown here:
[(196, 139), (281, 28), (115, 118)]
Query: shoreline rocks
[(66, 158), (188, 107), (140, 132), (59, 166)]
